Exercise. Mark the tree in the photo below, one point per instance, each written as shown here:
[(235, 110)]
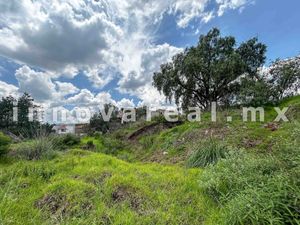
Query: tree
[(98, 123), (209, 71), (25, 102), (24, 125), (285, 77), (6, 112)]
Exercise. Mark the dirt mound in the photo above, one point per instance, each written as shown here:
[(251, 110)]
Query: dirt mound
[(122, 194)]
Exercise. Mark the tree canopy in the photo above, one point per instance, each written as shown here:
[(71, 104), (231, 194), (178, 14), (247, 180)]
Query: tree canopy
[(22, 125), (209, 71)]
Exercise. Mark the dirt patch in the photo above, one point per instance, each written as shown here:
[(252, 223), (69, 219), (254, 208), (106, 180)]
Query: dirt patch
[(152, 129), (122, 194), (250, 143), (99, 180), (59, 206), (55, 204), (271, 126)]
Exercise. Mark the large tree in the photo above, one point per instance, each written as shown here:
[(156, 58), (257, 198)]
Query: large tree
[(209, 71)]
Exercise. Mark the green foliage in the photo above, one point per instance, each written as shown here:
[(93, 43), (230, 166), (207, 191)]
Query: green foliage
[(281, 80), (254, 92), (209, 71), (90, 144), (285, 77), (36, 149), (23, 126), (65, 141), (4, 143), (207, 153), (253, 190), (82, 187), (70, 140), (101, 124), (112, 146)]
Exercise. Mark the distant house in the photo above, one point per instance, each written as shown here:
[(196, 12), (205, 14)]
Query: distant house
[(158, 112), (64, 129), (81, 129), (78, 129)]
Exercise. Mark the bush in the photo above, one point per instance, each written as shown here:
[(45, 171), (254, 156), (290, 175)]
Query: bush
[(207, 153), (4, 143), (39, 148), (71, 140), (90, 144), (252, 190), (65, 141)]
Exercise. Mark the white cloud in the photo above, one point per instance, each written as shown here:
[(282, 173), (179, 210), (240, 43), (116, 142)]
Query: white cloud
[(38, 84), (144, 64), (125, 103), (7, 89), (103, 39), (231, 4), (41, 86), (65, 88)]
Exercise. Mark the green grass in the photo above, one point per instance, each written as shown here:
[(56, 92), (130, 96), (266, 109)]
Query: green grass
[(87, 188), (207, 153), (145, 181)]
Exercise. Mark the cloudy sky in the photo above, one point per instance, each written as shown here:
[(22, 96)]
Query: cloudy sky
[(78, 53)]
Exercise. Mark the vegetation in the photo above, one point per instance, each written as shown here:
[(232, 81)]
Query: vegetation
[(21, 124), (253, 190), (249, 175), (208, 153), (4, 144), (38, 148), (83, 187), (227, 172), (210, 71), (216, 70)]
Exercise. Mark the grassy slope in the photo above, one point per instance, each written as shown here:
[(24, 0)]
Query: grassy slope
[(87, 188), (81, 187), (176, 144)]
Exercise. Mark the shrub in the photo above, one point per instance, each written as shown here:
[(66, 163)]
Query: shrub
[(207, 153), (39, 148), (90, 144), (4, 143), (252, 190), (112, 146), (65, 141), (71, 140)]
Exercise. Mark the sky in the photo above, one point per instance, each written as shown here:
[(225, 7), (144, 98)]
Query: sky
[(81, 53)]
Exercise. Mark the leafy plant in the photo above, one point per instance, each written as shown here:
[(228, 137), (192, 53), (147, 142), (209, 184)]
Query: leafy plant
[(207, 153), (65, 141)]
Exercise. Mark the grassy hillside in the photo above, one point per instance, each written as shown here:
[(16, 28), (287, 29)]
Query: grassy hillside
[(251, 175), (92, 188)]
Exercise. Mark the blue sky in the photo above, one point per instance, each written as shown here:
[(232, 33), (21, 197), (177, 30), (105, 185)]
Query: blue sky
[(82, 53)]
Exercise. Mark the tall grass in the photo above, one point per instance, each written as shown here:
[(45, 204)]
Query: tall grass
[(207, 153), (253, 190), (38, 148)]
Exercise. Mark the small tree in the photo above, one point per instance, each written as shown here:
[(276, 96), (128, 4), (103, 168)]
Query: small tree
[(209, 71)]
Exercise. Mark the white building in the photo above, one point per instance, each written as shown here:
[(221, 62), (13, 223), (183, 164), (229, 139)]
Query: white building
[(64, 129)]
